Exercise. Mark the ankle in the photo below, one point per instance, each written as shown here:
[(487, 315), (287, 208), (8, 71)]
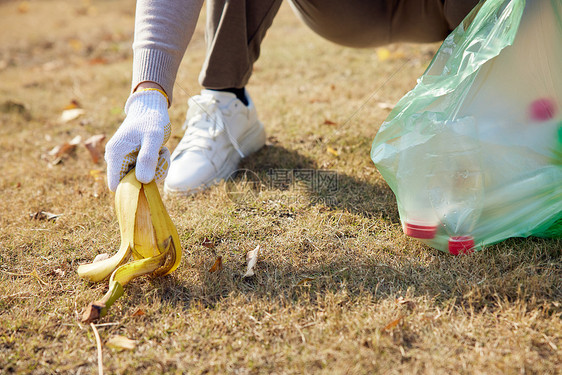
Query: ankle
[(239, 92)]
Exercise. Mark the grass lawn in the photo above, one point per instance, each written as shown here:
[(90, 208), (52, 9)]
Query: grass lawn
[(338, 288)]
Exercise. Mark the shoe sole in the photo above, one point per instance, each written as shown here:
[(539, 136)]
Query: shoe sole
[(252, 141)]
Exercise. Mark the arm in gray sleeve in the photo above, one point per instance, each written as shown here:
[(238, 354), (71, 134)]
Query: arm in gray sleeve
[(163, 28)]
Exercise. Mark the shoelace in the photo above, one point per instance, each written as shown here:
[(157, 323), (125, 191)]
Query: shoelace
[(203, 125)]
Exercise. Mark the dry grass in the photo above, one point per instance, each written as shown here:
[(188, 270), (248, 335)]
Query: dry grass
[(338, 287)]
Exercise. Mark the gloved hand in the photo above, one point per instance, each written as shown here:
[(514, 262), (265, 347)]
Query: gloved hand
[(139, 141)]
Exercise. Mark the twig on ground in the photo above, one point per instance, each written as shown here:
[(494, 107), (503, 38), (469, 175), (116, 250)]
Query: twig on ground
[(17, 295), (98, 343), (32, 274)]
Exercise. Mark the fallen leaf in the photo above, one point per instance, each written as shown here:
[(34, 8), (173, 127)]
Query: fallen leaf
[(23, 7), (139, 312), (383, 54), (60, 151), (71, 114), (329, 122), (58, 272), (217, 266), (208, 243), (75, 141), (393, 324), (44, 215), (100, 257), (252, 259), (332, 151), (94, 145), (72, 105), (66, 147), (98, 61), (306, 279), (383, 105), (121, 342)]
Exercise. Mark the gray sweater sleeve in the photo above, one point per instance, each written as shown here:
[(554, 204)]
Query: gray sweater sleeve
[(163, 28)]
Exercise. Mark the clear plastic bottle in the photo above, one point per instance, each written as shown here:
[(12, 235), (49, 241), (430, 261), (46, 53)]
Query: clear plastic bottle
[(456, 186), (418, 216)]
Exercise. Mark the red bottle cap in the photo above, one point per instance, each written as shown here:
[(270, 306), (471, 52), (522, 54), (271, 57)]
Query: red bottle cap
[(425, 232), (461, 245)]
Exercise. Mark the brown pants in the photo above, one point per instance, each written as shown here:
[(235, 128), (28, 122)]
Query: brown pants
[(236, 28)]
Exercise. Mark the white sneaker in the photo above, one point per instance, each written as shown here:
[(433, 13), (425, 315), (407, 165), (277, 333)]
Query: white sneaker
[(219, 131)]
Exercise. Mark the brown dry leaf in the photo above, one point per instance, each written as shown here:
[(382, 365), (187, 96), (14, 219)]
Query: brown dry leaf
[(94, 145), (71, 114), (98, 61), (60, 151), (409, 304), (139, 312), (217, 266), (44, 215), (393, 324), (72, 105), (252, 259), (121, 342), (208, 243), (329, 122), (332, 151)]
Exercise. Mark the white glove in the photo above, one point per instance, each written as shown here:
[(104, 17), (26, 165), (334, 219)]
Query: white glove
[(139, 141)]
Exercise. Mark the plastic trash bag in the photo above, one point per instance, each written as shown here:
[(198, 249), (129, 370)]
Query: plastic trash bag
[(474, 152)]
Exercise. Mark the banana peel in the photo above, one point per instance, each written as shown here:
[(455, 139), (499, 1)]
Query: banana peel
[(147, 234)]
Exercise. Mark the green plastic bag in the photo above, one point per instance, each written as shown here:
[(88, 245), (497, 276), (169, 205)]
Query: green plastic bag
[(474, 152)]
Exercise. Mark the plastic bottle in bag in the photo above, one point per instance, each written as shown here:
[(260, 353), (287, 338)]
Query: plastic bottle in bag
[(420, 220), (456, 183)]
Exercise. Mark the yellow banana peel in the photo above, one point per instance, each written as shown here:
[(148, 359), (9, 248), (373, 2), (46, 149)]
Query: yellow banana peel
[(147, 233)]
